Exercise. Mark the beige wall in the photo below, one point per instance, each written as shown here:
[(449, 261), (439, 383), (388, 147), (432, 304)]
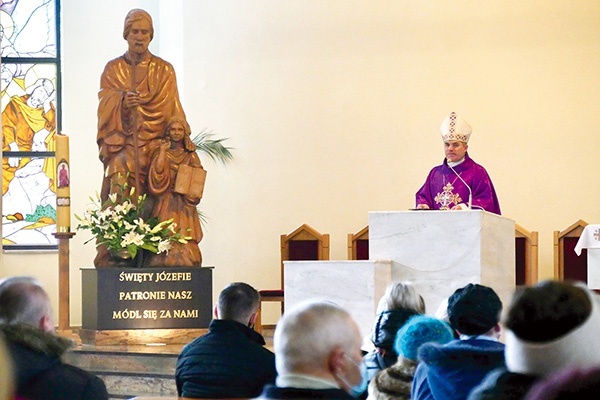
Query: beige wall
[(333, 108)]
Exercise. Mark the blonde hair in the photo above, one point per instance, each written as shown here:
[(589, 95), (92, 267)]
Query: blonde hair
[(401, 295)]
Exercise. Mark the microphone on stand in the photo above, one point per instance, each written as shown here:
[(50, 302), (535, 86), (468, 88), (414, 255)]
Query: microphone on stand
[(465, 183)]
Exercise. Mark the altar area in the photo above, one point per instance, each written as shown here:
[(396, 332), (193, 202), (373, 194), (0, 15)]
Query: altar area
[(438, 251)]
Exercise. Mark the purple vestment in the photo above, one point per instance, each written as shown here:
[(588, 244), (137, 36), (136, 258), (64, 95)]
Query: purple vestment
[(443, 189)]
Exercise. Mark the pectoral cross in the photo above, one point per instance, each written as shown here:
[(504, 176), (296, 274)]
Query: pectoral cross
[(447, 197)]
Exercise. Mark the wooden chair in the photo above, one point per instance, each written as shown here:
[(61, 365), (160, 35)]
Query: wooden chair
[(358, 244), (303, 244), (526, 252), (567, 265)]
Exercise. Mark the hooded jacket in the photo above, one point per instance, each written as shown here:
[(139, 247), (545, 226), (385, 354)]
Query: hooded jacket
[(40, 373), (451, 371)]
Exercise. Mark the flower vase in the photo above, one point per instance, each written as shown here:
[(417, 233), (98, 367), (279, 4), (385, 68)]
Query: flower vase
[(122, 258)]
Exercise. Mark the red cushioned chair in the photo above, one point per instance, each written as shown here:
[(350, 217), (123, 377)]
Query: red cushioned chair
[(303, 244)]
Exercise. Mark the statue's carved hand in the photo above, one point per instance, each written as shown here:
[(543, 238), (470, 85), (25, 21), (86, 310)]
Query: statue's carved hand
[(131, 99), (165, 145)]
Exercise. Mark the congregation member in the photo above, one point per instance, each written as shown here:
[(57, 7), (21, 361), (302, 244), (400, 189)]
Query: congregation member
[(230, 360), (459, 183), (550, 326), (452, 370), (399, 303), (568, 384), (395, 382), (317, 353), (441, 313), (28, 328), (6, 373)]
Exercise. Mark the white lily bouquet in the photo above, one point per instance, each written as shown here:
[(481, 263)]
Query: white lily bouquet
[(120, 226)]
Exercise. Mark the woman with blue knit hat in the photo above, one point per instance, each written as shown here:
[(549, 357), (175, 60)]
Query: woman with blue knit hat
[(395, 382)]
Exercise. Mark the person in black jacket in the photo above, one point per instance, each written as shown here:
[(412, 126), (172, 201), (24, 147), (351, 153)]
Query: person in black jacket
[(399, 303), (230, 360), (27, 325)]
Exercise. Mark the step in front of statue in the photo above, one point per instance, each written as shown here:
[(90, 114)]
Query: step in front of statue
[(129, 337), (130, 371), (127, 386)]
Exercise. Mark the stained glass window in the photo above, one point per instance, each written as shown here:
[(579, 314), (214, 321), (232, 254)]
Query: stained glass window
[(30, 104)]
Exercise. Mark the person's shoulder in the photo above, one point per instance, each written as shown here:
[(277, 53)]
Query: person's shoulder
[(492, 345), (464, 354), (73, 372), (430, 353), (198, 342), (501, 383), (68, 381), (275, 392), (473, 164), (437, 167), (94, 389)]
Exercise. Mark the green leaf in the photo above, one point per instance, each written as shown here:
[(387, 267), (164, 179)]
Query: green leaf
[(150, 247), (213, 148), (132, 249)]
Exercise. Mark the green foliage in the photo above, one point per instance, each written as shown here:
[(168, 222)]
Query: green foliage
[(214, 148)]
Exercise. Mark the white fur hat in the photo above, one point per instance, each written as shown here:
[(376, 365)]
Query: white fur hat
[(579, 347), (455, 128)]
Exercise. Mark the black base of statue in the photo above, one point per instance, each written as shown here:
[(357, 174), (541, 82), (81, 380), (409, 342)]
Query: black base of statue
[(146, 298)]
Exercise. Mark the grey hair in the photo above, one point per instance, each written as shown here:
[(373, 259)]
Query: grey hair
[(306, 335), (23, 301)]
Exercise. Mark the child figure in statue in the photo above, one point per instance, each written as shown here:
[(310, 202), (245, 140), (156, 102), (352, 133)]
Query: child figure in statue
[(173, 202)]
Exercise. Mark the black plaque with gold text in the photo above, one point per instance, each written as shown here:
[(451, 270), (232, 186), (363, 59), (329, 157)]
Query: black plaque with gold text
[(146, 298)]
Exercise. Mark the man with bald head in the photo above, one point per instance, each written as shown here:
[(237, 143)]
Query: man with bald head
[(27, 325), (317, 352)]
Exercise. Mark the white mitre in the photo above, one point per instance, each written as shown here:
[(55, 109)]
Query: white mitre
[(454, 128)]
